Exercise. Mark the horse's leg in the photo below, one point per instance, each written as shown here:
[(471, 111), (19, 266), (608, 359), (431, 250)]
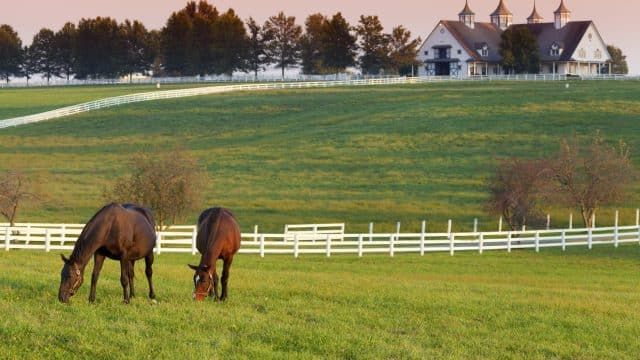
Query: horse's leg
[(225, 276), (215, 283), (131, 274), (124, 279), (98, 260), (148, 260)]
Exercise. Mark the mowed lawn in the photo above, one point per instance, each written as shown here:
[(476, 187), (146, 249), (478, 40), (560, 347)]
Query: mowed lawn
[(580, 305), (356, 155)]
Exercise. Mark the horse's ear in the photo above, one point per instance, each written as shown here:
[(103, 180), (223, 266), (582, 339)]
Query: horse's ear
[(64, 259), (193, 267)]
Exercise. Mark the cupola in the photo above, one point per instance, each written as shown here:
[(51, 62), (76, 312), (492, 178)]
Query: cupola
[(534, 18), (561, 16), (467, 16), (502, 17)]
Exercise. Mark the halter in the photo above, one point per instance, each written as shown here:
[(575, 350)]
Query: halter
[(76, 284), (205, 293)]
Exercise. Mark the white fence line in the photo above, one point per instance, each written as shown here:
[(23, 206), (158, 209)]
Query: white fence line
[(172, 94), (182, 240)]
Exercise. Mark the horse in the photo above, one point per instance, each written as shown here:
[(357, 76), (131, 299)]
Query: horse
[(120, 232), (218, 238)]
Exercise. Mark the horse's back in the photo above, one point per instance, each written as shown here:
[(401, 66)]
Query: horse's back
[(218, 227)]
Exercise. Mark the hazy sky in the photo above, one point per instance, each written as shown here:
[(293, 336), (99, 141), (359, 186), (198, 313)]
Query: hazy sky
[(615, 19)]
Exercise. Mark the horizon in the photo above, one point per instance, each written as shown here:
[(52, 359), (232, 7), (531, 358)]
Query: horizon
[(154, 15)]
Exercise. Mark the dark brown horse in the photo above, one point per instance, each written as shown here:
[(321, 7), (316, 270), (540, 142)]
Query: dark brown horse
[(119, 232), (218, 238)]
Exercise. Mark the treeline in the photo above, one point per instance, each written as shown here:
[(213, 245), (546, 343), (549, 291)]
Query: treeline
[(199, 40)]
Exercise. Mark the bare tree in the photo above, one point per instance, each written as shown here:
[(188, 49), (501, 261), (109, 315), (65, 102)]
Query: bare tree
[(597, 175), (517, 190), (15, 189), (167, 184)]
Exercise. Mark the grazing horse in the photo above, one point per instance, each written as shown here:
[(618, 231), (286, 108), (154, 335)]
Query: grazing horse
[(119, 232), (218, 238)]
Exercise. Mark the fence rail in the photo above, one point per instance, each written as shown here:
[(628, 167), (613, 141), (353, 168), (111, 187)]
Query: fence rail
[(182, 239)]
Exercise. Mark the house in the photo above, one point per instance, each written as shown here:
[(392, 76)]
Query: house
[(466, 48)]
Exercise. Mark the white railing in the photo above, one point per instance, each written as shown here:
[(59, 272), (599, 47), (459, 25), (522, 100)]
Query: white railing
[(62, 237)]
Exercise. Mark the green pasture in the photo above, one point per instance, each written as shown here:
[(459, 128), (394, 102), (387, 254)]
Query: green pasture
[(357, 155), (579, 304)]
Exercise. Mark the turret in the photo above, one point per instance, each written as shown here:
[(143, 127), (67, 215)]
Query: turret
[(561, 16), (467, 16), (502, 17), (534, 18)]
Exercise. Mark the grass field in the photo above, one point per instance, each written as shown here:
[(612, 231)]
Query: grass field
[(354, 155), (576, 305)]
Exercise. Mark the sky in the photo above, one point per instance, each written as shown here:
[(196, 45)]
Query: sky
[(616, 21)]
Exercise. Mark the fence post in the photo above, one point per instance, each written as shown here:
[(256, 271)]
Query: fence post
[(255, 233), (6, 239), (451, 240), (424, 226), (391, 245), (481, 243), (370, 232), (47, 241), (449, 226), (537, 241), (328, 245), (28, 233), (475, 225), (593, 220), (615, 231), (563, 240), (398, 228), (158, 241), (500, 224), (261, 246), (194, 237), (637, 217), (295, 245), (63, 235), (590, 238), (360, 245), (509, 241), (570, 221), (548, 221)]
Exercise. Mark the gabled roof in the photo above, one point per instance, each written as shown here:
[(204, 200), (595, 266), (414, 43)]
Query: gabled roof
[(480, 34), (501, 10), (568, 37), (562, 8), (466, 10)]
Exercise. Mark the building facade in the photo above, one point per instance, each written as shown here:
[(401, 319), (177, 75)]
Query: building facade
[(466, 48)]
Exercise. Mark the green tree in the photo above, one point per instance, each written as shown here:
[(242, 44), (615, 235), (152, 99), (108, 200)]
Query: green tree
[(519, 51), (374, 45), (99, 49), (231, 44), (618, 60), (65, 42), (138, 49), (203, 42), (284, 40), (257, 56), (10, 53), (338, 44), (28, 65), (403, 51), (44, 52), (311, 52)]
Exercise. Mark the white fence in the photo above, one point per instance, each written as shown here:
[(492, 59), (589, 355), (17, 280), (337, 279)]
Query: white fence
[(62, 237)]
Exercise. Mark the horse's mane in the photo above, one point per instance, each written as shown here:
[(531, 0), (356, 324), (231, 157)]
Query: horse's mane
[(89, 232)]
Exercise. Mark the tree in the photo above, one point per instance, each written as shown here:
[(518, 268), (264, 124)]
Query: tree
[(403, 51), (65, 42), (28, 65), (44, 52), (10, 53), (284, 40), (231, 44), (618, 60), (203, 42), (257, 56), (176, 44), (374, 45), (519, 50), (99, 49), (338, 45), (15, 189), (517, 189), (167, 184), (591, 177), (311, 44), (138, 48)]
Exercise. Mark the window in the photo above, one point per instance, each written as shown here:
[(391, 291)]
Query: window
[(555, 50), (484, 50), (426, 52), (459, 52)]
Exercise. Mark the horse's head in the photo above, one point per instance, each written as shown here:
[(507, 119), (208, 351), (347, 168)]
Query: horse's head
[(202, 282), (70, 280)]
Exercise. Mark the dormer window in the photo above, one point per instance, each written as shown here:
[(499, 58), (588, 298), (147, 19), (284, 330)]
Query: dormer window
[(484, 50), (556, 50)]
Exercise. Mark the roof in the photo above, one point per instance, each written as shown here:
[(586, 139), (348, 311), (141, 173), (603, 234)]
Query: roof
[(562, 8), (568, 37), (501, 10), (466, 10), (470, 38), (534, 14)]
